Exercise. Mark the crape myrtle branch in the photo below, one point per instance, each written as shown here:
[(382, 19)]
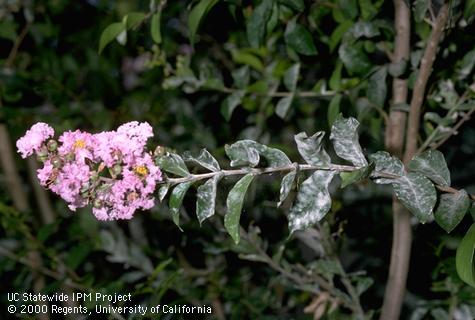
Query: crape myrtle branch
[(295, 166), (115, 172)]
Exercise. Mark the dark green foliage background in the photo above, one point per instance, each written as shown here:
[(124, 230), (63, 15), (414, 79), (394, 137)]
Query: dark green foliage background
[(58, 77)]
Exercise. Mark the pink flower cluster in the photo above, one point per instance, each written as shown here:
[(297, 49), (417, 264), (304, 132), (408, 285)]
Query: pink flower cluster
[(110, 170)]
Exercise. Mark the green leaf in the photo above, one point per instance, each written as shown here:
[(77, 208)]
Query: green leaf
[(77, 254), (338, 34), (197, 14), (291, 77), (417, 194), (472, 211), (297, 5), (363, 284), (110, 33), (354, 59), (398, 68), (452, 209), (243, 57), (299, 39), (256, 24), (206, 201), (469, 9), (242, 153), (8, 29), (334, 109), (432, 164), (241, 77), (204, 159), (134, 19), (162, 191), (384, 162), (155, 30), (335, 79), (311, 149), (344, 136), (348, 178), (420, 9), (283, 106), (377, 88), (368, 10), (173, 163), (313, 201), (464, 259), (286, 186), (234, 204), (273, 20), (363, 29), (230, 103), (176, 199)]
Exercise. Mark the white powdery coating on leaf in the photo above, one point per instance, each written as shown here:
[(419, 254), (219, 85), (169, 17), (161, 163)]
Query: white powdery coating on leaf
[(310, 148), (345, 139), (243, 152), (417, 194), (452, 209), (286, 186), (313, 201), (384, 162), (432, 164), (206, 198)]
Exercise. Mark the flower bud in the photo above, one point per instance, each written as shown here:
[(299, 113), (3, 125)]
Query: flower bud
[(97, 203), (43, 152), (159, 151), (56, 162), (117, 169), (70, 157), (41, 158), (52, 145)]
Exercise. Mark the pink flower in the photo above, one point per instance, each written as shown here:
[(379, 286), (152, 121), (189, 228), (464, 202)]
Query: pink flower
[(45, 173), (133, 174), (77, 142), (33, 139)]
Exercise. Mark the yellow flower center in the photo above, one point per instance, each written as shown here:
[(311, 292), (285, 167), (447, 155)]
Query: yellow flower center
[(141, 170), (79, 144)]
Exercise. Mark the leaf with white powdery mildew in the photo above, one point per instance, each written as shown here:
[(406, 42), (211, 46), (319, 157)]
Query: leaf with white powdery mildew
[(348, 178), (310, 148), (173, 163), (313, 201), (162, 191), (417, 194), (384, 162), (206, 198), (344, 136), (234, 204), (452, 209), (248, 152), (176, 199), (275, 157), (204, 159), (286, 186), (242, 153), (432, 164)]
